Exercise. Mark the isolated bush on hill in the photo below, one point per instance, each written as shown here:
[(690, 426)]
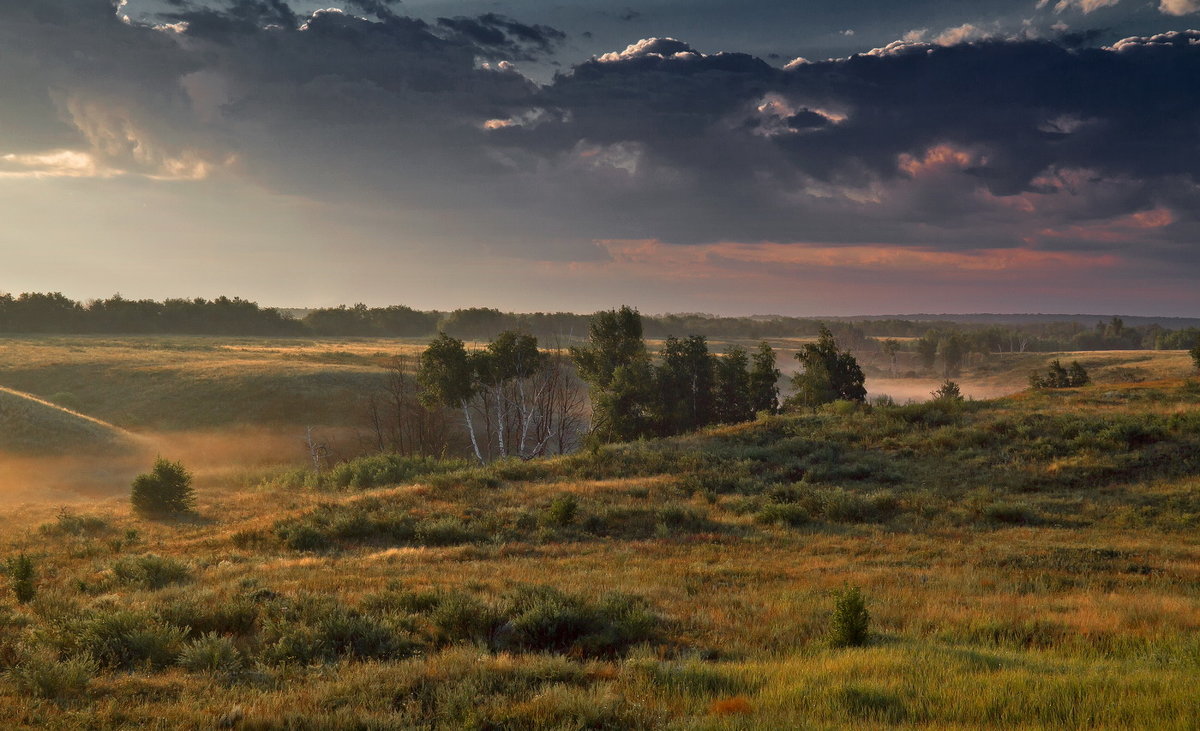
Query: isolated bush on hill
[(947, 392), (1057, 376), (165, 490), (850, 625)]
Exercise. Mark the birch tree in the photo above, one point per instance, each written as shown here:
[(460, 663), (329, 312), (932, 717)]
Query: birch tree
[(447, 377)]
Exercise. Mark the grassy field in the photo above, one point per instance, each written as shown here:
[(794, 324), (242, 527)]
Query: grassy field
[(1030, 561)]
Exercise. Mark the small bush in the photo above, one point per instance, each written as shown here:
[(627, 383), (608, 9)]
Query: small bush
[(562, 511), (208, 615), (150, 571), (402, 602), (164, 491), (544, 619), (850, 624), (212, 654), (1011, 513), (783, 514), (386, 469), (70, 524), (460, 617), (446, 531), (124, 638), (1058, 376), (948, 392), (300, 536), (21, 578), (44, 675), (349, 634)]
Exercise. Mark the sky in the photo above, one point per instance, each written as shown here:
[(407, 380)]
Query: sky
[(785, 157)]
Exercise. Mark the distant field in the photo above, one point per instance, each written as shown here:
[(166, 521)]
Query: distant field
[(230, 406), (225, 405)]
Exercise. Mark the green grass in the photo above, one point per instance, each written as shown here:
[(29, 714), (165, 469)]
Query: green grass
[(1030, 561)]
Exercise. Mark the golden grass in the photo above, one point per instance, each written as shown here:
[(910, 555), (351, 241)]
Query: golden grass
[(1089, 622)]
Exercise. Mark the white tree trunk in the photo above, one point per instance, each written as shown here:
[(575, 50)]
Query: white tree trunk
[(471, 430)]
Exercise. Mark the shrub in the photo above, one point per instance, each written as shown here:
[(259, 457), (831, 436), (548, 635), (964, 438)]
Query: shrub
[(300, 536), (164, 491), (446, 531), (461, 617), (562, 510), (948, 392), (403, 602), (70, 524), (849, 626), (1057, 376), (783, 514), (21, 577), (387, 469), (44, 675), (293, 644), (1013, 514), (150, 571), (349, 634), (124, 638), (235, 616), (544, 619), (213, 654)]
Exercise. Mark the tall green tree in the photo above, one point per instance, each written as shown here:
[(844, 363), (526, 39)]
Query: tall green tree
[(927, 347), (764, 380), (1195, 353), (614, 340), (731, 396), (617, 368), (891, 348), (685, 381), (952, 349), (625, 410), (829, 374), (448, 377)]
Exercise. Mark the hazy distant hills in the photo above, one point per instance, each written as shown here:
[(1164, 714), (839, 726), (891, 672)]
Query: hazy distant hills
[(991, 318)]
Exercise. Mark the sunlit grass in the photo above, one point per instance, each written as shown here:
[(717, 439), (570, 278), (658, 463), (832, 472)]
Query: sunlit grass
[(1029, 562)]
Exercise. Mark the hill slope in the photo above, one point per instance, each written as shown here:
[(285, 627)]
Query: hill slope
[(1030, 561), (30, 425)]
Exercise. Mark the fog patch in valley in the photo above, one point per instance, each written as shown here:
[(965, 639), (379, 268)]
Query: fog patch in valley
[(903, 390), (218, 458)]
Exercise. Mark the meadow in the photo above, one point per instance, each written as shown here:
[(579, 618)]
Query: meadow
[(1030, 560)]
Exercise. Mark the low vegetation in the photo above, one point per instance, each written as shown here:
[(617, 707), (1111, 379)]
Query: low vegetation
[(1026, 561), (165, 491)]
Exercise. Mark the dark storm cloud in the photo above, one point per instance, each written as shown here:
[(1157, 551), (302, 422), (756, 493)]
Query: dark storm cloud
[(505, 35), (1053, 144)]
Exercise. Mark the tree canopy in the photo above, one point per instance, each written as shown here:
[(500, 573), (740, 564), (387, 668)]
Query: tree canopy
[(829, 373)]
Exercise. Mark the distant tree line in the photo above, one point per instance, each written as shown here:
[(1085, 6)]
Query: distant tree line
[(54, 313), (946, 344)]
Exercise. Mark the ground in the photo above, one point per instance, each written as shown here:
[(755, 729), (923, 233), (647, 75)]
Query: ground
[(1028, 561)]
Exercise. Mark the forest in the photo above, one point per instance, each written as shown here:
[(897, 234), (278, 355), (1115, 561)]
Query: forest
[(34, 312)]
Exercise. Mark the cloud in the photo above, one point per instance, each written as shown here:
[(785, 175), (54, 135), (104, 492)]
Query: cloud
[(506, 36), (953, 142), (1179, 7), (1084, 6)]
